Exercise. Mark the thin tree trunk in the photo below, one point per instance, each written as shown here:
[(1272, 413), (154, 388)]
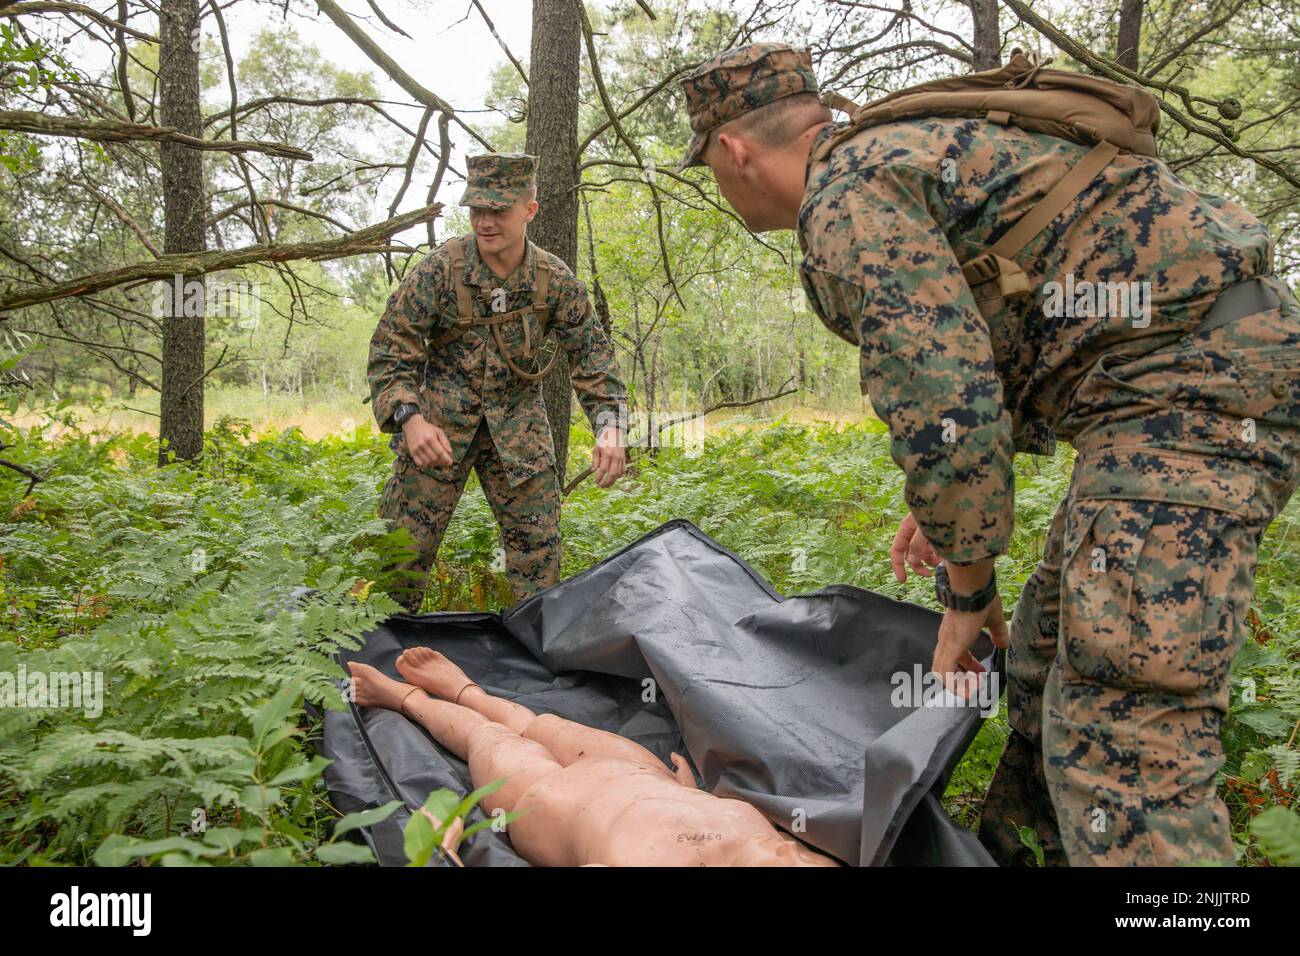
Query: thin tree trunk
[(1130, 33), (181, 427), (553, 138), (987, 38)]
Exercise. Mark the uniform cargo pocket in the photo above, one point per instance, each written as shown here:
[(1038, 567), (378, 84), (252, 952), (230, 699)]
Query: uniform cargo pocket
[(1154, 595), (1157, 579), (1141, 472)]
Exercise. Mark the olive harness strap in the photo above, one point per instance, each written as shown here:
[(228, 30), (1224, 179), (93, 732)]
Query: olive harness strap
[(466, 319)]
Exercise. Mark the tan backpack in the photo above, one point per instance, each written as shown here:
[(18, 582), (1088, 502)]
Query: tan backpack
[(466, 319), (1084, 109)]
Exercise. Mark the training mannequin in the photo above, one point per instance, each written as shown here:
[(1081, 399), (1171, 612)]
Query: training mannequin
[(585, 797)]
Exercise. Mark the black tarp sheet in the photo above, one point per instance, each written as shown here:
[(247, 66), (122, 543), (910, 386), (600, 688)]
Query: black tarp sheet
[(680, 645)]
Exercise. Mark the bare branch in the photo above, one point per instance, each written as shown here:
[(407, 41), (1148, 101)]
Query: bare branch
[(107, 131), (390, 66), (594, 63), (22, 470), (119, 212), (385, 21), (492, 28), (641, 101), (282, 204), (122, 79), (444, 154), (671, 174), (260, 225), (74, 9), (369, 239), (411, 158)]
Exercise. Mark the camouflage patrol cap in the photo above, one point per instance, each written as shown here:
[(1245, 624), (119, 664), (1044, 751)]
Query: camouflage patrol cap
[(740, 80), (496, 180)]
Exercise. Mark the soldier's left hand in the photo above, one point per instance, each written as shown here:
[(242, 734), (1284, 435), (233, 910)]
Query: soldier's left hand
[(608, 458), (953, 660)]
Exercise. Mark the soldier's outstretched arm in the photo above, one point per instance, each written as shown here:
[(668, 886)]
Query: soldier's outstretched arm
[(398, 347), (879, 261)]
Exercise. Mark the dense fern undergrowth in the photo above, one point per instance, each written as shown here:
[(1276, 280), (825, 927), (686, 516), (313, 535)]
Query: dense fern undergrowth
[(182, 586)]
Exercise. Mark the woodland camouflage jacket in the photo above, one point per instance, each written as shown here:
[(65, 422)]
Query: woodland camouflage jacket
[(885, 220), (466, 381)]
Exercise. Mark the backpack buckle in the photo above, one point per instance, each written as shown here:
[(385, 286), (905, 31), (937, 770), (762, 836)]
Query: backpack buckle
[(987, 267), (549, 347)]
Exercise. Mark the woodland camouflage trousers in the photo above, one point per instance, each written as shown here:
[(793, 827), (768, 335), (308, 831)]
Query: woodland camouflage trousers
[(1121, 643), (422, 500)]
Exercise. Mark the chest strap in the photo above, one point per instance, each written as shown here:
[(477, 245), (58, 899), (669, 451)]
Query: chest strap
[(466, 318)]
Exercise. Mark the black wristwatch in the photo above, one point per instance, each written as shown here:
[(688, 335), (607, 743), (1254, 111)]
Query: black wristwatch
[(963, 602), (403, 412)]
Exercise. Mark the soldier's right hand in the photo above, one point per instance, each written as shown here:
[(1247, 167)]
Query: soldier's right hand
[(427, 443), (912, 547)]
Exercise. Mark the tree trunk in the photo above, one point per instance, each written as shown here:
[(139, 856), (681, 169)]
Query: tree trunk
[(181, 429), (1130, 33), (553, 138), (987, 40)]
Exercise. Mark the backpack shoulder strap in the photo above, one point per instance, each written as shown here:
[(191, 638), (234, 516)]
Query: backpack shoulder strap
[(1058, 197), (997, 261), (464, 303), (541, 288), (456, 251), (836, 101)]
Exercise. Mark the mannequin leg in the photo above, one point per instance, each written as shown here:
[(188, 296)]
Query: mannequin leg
[(492, 750), (565, 740)]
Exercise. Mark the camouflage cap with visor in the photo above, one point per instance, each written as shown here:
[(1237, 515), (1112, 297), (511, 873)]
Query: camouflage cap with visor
[(740, 80), (497, 180)]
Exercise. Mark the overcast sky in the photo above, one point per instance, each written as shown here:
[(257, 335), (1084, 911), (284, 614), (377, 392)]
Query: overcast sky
[(451, 52)]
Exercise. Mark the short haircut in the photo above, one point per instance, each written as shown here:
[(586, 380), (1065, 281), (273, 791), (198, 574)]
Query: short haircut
[(777, 123)]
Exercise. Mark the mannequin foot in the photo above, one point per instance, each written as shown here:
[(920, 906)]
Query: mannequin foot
[(432, 671), (374, 688)]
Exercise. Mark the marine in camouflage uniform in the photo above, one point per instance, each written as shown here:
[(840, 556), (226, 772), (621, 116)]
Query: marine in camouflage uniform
[(1185, 440), (494, 420)]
